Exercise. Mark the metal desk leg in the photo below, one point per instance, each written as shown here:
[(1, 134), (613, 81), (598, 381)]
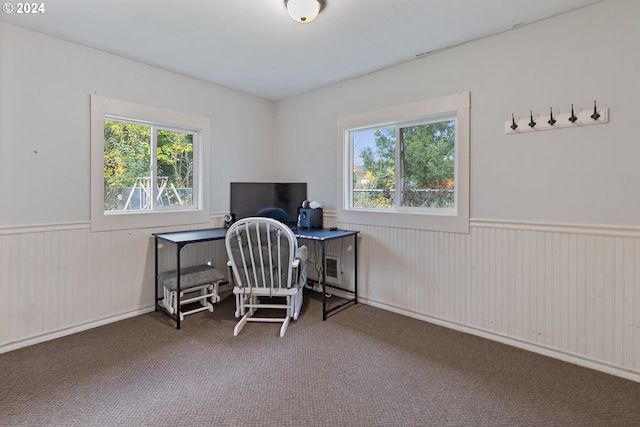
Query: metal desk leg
[(155, 301), (324, 280), (179, 248), (355, 267)]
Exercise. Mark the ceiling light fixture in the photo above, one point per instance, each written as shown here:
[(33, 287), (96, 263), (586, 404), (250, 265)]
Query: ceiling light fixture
[(304, 10)]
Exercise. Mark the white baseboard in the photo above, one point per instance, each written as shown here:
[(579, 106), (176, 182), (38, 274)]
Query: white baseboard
[(71, 330), (534, 348)]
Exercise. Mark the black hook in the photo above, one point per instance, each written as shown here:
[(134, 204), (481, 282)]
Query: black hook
[(513, 126), (532, 124), (573, 117), (595, 115), (551, 121)]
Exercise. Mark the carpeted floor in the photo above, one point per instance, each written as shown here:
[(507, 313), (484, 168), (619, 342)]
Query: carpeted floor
[(362, 367)]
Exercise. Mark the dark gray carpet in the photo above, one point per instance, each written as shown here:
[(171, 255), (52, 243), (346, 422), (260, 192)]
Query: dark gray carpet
[(362, 367)]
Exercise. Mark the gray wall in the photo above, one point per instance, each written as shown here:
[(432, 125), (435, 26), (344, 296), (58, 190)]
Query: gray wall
[(551, 260), (546, 266), (45, 85), (587, 175)]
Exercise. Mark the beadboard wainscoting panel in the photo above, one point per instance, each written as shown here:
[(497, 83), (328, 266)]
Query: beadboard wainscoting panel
[(566, 291), (60, 279)]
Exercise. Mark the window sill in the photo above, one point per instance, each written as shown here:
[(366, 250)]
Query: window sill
[(450, 223), (136, 220)]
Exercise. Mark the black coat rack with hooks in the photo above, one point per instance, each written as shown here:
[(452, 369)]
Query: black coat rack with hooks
[(551, 120), (557, 120)]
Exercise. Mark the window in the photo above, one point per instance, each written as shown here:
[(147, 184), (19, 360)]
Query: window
[(149, 166), (138, 154), (407, 166), (424, 173)]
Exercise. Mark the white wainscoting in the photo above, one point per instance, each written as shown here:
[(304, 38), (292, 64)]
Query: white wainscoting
[(566, 291), (60, 279)]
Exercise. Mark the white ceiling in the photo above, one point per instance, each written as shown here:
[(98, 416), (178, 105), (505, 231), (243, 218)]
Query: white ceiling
[(255, 47)]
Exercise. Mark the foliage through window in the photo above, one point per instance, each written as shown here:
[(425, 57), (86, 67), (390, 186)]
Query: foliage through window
[(139, 154), (407, 165), (404, 165), (149, 166)]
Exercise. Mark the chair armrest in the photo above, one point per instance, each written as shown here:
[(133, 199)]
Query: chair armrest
[(302, 253), (300, 264), (232, 280)]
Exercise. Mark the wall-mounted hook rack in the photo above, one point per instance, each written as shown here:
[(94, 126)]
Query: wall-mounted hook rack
[(551, 120), (513, 126), (573, 117), (597, 116)]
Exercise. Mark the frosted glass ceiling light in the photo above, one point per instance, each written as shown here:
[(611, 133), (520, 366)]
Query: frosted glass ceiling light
[(304, 10)]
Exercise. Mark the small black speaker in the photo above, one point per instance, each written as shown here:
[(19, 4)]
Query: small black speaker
[(310, 218), (229, 219)]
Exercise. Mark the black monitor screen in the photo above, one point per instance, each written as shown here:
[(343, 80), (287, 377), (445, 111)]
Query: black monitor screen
[(278, 200)]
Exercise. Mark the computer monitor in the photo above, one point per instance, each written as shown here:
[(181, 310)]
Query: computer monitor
[(278, 200)]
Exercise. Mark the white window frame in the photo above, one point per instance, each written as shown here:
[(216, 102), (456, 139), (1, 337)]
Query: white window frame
[(449, 220), (115, 109)]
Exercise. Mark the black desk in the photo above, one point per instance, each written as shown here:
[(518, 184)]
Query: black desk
[(323, 235), (183, 238)]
